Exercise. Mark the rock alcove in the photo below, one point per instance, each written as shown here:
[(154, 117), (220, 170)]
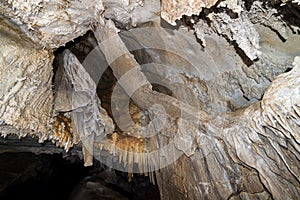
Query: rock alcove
[(200, 97)]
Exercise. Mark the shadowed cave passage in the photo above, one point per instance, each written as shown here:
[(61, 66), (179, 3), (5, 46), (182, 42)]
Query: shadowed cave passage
[(30, 176)]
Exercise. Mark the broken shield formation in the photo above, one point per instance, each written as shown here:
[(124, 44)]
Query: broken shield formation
[(212, 102)]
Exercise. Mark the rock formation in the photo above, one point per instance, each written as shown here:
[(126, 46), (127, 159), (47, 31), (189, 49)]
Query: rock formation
[(202, 96)]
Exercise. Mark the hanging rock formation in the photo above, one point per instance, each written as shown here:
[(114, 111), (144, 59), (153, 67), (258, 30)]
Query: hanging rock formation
[(202, 96)]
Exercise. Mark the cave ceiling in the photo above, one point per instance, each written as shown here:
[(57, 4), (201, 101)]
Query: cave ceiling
[(203, 91)]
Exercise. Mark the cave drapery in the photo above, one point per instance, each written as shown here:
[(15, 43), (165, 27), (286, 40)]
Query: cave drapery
[(206, 99)]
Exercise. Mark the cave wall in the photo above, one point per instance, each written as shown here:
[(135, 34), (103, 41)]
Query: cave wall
[(26, 91), (231, 118)]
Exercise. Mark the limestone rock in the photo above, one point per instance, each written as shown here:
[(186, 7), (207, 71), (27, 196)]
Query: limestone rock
[(171, 10)]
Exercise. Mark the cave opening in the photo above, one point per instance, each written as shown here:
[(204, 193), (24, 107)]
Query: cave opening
[(25, 175), (30, 176)]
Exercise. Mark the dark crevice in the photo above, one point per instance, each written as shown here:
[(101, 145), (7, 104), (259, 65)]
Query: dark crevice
[(288, 69), (290, 12), (200, 42), (246, 60), (248, 4), (243, 164), (277, 33), (266, 189)]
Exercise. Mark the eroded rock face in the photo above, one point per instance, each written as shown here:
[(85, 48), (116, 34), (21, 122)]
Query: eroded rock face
[(52, 24), (26, 88)]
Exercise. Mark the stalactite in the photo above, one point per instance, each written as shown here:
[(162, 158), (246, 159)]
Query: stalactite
[(241, 142)]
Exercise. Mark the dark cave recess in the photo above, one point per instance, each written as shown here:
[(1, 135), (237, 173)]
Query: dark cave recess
[(26, 175)]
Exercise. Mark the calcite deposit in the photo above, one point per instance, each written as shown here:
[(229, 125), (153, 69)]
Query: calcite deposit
[(202, 96)]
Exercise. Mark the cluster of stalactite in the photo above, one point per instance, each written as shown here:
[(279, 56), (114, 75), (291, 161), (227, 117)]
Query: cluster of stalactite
[(62, 134), (237, 114)]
